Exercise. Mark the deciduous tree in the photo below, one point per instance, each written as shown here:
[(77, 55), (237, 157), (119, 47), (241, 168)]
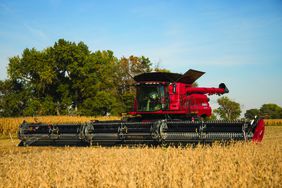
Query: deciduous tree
[(228, 109), (67, 78), (252, 113), (271, 111)]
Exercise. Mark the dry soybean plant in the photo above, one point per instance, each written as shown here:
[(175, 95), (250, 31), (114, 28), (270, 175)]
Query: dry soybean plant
[(235, 165)]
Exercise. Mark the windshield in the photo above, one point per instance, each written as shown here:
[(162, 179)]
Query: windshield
[(149, 97)]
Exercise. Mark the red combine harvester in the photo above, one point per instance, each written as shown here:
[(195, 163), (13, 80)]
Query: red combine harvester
[(168, 109), (171, 95)]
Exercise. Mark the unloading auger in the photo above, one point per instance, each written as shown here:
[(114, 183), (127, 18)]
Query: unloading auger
[(168, 109)]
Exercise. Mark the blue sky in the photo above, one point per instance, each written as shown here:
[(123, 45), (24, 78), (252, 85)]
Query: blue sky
[(236, 42)]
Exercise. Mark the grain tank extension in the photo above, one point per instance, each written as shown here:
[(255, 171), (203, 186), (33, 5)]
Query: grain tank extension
[(168, 109)]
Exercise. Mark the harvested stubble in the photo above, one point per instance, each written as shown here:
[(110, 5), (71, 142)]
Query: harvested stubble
[(235, 165)]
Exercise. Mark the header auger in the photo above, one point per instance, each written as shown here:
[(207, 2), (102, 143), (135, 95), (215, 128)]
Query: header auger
[(168, 109)]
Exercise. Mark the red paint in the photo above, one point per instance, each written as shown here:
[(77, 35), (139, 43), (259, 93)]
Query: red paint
[(259, 131), (184, 99)]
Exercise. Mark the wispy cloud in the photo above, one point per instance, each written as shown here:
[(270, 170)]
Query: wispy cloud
[(36, 32), (152, 9), (5, 8)]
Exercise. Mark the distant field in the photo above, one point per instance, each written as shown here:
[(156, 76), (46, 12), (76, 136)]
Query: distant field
[(273, 122), (10, 125), (235, 165)]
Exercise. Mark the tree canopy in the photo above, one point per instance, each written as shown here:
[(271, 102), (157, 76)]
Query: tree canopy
[(67, 78), (270, 111), (228, 109), (251, 113)]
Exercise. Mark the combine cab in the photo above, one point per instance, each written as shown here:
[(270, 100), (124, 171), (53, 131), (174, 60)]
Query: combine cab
[(168, 109)]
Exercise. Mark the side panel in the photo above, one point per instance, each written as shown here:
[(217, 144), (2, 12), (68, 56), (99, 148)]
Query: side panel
[(173, 92), (182, 100), (177, 96), (199, 105)]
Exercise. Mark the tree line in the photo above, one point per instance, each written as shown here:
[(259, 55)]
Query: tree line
[(231, 110), (268, 111), (68, 79)]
